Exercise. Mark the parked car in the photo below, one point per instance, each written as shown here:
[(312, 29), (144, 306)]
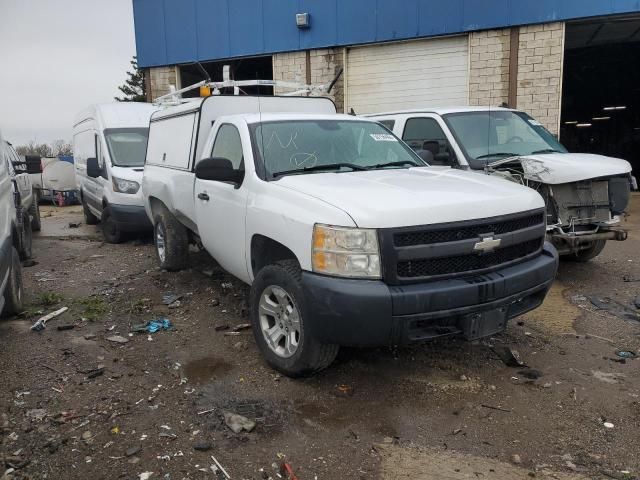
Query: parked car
[(10, 267), (585, 194), (25, 197), (109, 144), (345, 235)]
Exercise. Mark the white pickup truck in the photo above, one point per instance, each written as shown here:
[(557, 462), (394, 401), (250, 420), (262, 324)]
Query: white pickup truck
[(345, 235), (585, 194)]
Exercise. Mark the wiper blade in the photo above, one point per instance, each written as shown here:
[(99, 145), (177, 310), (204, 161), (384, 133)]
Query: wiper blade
[(317, 168), (546, 150), (497, 154), (394, 164)]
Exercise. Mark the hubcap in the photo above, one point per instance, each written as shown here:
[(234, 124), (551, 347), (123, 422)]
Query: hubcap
[(160, 244), (279, 321)]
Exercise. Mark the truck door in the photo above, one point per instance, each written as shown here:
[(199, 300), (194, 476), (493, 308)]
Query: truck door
[(220, 207), (427, 138)]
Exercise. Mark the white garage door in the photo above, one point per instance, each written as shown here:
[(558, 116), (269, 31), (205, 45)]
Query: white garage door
[(411, 74)]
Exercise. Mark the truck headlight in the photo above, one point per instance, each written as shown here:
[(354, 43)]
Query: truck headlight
[(345, 252), (125, 186)]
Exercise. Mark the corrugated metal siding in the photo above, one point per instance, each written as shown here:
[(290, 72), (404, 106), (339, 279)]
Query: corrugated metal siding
[(182, 31), (401, 75)]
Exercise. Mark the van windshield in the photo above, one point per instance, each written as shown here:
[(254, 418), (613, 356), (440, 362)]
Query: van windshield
[(488, 136), (315, 146), (127, 146)]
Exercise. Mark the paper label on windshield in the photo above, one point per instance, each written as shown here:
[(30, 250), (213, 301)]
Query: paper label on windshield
[(535, 123), (383, 137)]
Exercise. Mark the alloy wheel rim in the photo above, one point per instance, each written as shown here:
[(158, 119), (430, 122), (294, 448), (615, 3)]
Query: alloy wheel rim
[(160, 243), (279, 321)]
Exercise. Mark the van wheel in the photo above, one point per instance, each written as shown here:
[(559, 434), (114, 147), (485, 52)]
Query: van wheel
[(278, 313), (13, 292), (89, 218), (110, 230), (594, 249), (34, 213), (26, 237), (171, 240)]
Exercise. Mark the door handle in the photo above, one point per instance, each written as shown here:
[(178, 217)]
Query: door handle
[(203, 196)]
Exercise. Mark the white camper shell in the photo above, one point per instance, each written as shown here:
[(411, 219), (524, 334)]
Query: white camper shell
[(585, 194), (109, 144)]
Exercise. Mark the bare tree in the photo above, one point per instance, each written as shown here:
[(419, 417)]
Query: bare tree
[(55, 149), (60, 147)]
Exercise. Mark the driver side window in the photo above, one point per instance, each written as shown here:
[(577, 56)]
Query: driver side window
[(229, 145), (427, 139)]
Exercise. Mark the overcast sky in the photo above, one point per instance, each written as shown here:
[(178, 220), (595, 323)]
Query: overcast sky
[(57, 57)]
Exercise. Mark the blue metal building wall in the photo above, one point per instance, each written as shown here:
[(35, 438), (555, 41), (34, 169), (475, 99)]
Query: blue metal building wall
[(183, 31)]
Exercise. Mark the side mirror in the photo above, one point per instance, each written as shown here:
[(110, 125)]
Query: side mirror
[(93, 169), (218, 170)]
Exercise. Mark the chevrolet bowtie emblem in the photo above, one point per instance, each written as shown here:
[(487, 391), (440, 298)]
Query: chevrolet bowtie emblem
[(488, 244)]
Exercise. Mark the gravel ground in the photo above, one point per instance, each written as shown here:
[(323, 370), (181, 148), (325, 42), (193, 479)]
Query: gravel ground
[(76, 405)]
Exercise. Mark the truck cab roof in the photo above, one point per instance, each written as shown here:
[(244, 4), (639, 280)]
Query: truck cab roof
[(441, 110)]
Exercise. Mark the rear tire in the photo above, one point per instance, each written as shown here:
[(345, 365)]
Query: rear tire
[(110, 230), (278, 312), (590, 253), (89, 218), (34, 212), (171, 240), (13, 291), (26, 236)]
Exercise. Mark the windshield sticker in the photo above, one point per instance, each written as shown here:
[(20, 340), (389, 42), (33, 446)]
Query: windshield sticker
[(535, 123), (383, 137)]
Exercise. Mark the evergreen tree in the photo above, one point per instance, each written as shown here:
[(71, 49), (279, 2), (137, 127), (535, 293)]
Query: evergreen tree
[(134, 88)]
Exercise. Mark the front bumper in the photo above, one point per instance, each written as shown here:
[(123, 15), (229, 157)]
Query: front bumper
[(567, 243), (371, 313), (131, 218)]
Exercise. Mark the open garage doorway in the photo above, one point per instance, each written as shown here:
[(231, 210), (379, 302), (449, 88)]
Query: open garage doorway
[(254, 68), (601, 88)]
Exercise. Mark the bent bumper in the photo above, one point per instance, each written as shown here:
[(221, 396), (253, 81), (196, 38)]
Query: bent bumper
[(371, 313), (567, 243), (131, 218)]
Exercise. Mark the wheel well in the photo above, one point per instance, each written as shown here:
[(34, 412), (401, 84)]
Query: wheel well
[(266, 251), (156, 205)]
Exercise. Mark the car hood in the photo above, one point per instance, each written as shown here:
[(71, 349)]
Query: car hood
[(556, 168), (415, 196)]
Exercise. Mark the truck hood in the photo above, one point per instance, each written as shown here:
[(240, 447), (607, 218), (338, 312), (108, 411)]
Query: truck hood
[(128, 173), (415, 196), (556, 168)]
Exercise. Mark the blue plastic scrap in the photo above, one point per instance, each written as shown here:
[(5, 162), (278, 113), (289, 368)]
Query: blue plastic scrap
[(154, 326)]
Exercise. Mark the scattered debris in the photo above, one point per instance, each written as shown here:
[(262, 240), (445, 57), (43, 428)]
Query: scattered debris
[(636, 302), (153, 326), (614, 308), (237, 423), (202, 446), (626, 354), (132, 451), (95, 373), (69, 326), (344, 391), (36, 414), (242, 326), (220, 467), (287, 469), (41, 323), (90, 336), (608, 425), (145, 475), (627, 278), (495, 408), (515, 458), (221, 328), (74, 224), (29, 263), (606, 377), (118, 339), (232, 334), (509, 356), (170, 298)]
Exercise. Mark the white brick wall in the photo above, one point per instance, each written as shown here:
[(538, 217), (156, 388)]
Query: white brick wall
[(540, 58), (161, 78), (325, 64), (489, 67)]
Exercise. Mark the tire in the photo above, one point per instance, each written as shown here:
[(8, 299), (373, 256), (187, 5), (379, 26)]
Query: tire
[(110, 230), (171, 240), (89, 218), (13, 290), (590, 253), (277, 289), (34, 213), (26, 236)]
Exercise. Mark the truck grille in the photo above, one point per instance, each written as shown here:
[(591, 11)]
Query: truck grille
[(428, 252)]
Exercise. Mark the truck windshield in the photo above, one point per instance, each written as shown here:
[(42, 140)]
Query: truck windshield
[(127, 146), (488, 136), (316, 146)]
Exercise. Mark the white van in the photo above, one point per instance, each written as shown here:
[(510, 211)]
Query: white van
[(109, 144)]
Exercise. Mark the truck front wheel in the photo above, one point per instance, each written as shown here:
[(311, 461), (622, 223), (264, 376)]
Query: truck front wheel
[(26, 236), (171, 240), (13, 292), (592, 251), (278, 314)]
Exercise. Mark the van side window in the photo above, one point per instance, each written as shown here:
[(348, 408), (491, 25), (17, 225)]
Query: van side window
[(427, 139), (229, 145), (99, 152)]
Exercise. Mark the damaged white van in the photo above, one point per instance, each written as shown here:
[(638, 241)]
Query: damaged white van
[(346, 236), (585, 194)]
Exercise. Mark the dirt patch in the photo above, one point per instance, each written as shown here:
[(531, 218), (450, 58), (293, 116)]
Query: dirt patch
[(421, 464), (557, 314)]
